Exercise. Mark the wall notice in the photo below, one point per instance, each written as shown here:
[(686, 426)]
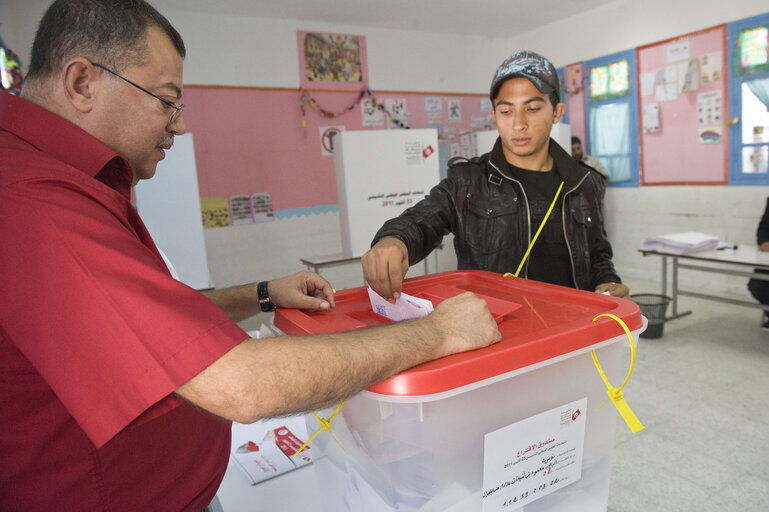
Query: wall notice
[(534, 457)]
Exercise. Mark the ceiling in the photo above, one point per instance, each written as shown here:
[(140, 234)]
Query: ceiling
[(489, 18)]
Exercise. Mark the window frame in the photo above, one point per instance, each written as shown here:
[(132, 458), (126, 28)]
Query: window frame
[(632, 98), (736, 174)]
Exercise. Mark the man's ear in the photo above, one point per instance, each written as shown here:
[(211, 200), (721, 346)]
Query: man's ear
[(560, 110), (79, 82)]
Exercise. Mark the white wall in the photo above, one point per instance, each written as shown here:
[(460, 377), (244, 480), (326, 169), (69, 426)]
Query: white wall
[(228, 50), (626, 24)]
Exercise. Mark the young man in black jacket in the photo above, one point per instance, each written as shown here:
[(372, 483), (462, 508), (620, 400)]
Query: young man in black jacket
[(494, 204)]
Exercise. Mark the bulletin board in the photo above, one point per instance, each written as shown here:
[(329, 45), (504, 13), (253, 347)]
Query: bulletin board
[(267, 147), (683, 91)]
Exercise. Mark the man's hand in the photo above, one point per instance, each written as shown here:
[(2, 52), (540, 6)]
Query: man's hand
[(465, 323), (384, 267), (304, 290), (614, 289), (764, 247)]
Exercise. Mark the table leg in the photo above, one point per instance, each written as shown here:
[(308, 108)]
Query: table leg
[(675, 286)]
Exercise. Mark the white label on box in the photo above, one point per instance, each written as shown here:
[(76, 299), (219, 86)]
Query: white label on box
[(534, 457)]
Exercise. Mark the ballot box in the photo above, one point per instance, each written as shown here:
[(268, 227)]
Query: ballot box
[(514, 426)]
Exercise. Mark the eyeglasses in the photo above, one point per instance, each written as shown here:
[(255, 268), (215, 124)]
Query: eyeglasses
[(177, 109)]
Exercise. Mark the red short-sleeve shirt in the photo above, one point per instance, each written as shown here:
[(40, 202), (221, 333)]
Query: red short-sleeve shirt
[(95, 336)]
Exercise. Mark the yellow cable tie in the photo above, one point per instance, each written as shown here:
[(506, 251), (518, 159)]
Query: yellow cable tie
[(325, 424), (615, 394)]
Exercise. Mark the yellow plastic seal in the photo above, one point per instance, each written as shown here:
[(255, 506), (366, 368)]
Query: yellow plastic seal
[(615, 394), (325, 424)]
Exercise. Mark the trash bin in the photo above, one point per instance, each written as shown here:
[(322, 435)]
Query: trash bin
[(653, 307)]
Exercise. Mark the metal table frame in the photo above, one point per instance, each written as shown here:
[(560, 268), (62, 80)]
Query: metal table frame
[(708, 261)]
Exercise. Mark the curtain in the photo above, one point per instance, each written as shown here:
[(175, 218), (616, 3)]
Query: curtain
[(760, 87), (610, 138)]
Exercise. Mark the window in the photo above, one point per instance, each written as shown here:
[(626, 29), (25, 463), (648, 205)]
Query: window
[(749, 101), (612, 119)]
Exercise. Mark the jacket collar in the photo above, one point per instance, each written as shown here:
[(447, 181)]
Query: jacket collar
[(569, 170)]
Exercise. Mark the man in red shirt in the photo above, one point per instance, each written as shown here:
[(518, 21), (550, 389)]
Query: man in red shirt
[(117, 382)]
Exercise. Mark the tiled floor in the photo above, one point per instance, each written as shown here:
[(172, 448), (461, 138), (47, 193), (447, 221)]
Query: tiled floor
[(701, 392)]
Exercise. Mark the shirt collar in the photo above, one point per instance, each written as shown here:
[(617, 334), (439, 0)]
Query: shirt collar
[(64, 141)]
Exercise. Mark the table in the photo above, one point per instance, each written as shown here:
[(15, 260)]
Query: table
[(739, 261)]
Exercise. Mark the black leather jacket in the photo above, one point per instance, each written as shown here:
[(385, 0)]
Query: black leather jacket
[(487, 210)]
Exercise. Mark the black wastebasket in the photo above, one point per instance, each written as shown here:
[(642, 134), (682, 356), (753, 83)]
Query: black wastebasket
[(653, 307)]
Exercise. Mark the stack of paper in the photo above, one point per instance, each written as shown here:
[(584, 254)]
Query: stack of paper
[(680, 243)]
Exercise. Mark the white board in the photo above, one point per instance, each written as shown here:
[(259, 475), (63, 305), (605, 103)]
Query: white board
[(484, 141), (169, 205), (380, 173), (561, 133)]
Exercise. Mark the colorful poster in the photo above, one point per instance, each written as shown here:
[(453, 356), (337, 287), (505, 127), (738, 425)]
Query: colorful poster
[(332, 61), (261, 205), (434, 107), (327, 134), (215, 212), (370, 114), (689, 76), (398, 111), (710, 67), (454, 108), (651, 118), (240, 210), (709, 108), (678, 51)]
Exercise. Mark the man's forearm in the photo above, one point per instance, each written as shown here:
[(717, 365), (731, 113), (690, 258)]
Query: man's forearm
[(285, 375), (237, 302)]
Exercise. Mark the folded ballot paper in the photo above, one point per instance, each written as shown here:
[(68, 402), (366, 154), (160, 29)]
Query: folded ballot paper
[(405, 308), (680, 243)]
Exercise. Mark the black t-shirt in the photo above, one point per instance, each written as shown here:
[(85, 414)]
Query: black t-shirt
[(549, 258)]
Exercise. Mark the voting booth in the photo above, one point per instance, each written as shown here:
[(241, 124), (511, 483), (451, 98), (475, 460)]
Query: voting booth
[(513, 426), (380, 173)]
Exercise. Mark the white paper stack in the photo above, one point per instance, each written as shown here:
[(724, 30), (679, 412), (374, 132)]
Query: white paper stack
[(680, 243)]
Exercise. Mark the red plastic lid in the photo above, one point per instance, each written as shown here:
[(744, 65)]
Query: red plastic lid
[(538, 321)]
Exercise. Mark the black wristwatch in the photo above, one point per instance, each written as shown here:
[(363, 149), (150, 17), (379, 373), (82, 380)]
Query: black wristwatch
[(264, 298)]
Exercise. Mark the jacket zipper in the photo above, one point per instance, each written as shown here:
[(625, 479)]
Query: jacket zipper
[(563, 218), (563, 223), (528, 216)]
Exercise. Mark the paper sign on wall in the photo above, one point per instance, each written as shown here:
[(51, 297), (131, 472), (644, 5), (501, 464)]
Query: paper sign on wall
[(534, 457)]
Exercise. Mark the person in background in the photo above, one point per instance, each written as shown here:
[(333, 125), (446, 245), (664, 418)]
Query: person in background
[(118, 383), (758, 287), (493, 204), (580, 156)]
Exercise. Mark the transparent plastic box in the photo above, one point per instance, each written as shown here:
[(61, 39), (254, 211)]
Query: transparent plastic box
[(415, 441)]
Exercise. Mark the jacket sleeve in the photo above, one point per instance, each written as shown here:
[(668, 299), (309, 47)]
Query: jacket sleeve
[(601, 265), (762, 234), (423, 226)]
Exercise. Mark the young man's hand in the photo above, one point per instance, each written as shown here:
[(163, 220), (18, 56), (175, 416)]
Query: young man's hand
[(614, 289), (384, 267)]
